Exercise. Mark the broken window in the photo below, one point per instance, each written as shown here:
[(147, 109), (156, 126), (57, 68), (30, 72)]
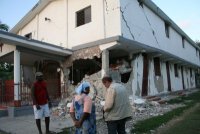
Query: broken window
[(29, 35), (190, 72), (196, 52), (167, 29), (157, 66), (83, 16), (183, 42), (176, 70)]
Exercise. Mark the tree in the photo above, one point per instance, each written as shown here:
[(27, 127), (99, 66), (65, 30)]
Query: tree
[(4, 27), (6, 67), (6, 70)]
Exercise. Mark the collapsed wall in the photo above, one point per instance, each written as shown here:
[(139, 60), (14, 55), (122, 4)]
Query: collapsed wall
[(97, 91)]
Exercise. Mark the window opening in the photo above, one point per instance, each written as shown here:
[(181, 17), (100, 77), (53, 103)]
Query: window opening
[(167, 29), (83, 16), (157, 66)]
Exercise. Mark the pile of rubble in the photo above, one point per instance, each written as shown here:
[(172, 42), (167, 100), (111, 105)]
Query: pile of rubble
[(145, 108), (142, 108), (61, 112)]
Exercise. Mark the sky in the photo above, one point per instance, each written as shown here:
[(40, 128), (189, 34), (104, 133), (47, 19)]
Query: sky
[(185, 13)]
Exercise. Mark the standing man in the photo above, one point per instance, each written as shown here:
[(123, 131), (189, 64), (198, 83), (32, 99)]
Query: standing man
[(117, 107), (41, 102)]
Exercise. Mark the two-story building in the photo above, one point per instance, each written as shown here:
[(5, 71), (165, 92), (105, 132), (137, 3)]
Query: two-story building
[(134, 41)]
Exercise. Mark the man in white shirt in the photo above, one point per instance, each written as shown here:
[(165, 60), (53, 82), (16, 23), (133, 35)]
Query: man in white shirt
[(117, 107)]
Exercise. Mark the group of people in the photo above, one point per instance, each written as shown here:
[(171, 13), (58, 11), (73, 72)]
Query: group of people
[(117, 109)]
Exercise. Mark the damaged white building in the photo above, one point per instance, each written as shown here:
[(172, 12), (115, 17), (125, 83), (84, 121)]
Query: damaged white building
[(134, 41)]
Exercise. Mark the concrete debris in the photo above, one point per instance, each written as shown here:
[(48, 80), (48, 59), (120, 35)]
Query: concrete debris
[(155, 103), (96, 93), (139, 101), (142, 108)]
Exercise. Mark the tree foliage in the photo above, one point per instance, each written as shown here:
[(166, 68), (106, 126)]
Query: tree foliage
[(5, 67), (4, 27), (6, 71)]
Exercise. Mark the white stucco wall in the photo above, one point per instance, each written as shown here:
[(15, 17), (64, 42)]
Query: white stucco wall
[(176, 82), (105, 21), (162, 82), (61, 30), (189, 81), (7, 49), (164, 75), (152, 89), (53, 31), (138, 75), (143, 25), (31, 27), (112, 18), (185, 77)]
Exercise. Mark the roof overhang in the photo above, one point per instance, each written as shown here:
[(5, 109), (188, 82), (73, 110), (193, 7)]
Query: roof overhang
[(119, 43), (20, 41), (135, 47)]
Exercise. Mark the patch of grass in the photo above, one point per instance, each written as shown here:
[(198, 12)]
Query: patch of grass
[(176, 100), (145, 126), (189, 125), (185, 99)]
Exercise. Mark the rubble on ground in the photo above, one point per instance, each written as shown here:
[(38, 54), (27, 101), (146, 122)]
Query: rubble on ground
[(61, 112), (142, 108)]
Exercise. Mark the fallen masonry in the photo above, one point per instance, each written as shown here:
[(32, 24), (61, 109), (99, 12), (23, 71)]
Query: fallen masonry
[(142, 108)]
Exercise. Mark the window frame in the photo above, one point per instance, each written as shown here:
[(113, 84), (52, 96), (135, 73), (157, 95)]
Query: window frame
[(167, 29), (82, 14), (157, 68), (191, 74), (176, 70), (29, 35), (183, 42)]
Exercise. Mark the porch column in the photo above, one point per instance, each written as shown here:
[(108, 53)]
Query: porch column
[(105, 63), (17, 99)]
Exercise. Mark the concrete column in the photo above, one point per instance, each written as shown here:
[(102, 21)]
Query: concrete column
[(134, 80), (17, 99), (105, 63)]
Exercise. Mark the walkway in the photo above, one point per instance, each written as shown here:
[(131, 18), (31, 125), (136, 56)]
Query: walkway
[(26, 125)]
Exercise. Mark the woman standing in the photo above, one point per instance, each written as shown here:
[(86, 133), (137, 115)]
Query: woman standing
[(82, 110)]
